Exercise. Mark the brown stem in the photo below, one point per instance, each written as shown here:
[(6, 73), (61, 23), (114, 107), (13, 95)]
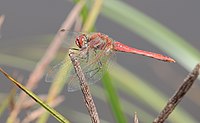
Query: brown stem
[(177, 97), (85, 89)]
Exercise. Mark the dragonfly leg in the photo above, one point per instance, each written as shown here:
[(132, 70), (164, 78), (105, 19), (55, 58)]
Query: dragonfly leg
[(82, 56), (76, 49), (85, 57)]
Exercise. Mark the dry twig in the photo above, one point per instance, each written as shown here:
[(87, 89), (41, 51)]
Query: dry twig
[(177, 97), (85, 89)]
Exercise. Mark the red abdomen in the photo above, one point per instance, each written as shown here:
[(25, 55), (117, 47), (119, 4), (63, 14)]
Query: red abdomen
[(124, 48)]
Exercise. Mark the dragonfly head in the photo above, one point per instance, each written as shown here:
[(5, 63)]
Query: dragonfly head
[(81, 41)]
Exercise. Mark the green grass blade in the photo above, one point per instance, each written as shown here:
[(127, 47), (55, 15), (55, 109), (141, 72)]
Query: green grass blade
[(113, 99), (92, 16), (53, 112), (4, 105), (5, 102), (17, 62), (151, 30)]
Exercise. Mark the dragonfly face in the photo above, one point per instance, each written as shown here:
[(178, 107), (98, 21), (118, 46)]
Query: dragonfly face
[(81, 41)]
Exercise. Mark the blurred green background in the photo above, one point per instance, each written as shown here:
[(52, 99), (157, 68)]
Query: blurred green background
[(143, 85)]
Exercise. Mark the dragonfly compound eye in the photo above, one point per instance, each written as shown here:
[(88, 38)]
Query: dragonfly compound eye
[(81, 40)]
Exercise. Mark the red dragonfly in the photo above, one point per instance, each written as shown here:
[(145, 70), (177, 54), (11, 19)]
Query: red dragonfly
[(94, 52)]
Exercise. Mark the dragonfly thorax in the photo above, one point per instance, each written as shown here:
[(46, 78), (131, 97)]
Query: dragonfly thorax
[(81, 41)]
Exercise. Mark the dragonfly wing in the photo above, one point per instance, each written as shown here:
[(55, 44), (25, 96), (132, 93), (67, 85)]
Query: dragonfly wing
[(62, 66), (50, 76), (93, 69), (74, 83), (99, 67), (99, 61), (71, 77)]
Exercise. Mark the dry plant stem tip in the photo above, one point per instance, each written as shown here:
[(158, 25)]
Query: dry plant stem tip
[(176, 98), (85, 89), (135, 118)]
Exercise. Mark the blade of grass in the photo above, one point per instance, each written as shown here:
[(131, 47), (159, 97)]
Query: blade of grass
[(152, 31), (92, 16), (17, 62), (53, 112), (5, 102), (113, 99)]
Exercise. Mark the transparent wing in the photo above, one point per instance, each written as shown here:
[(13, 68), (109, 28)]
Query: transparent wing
[(93, 68), (52, 73), (68, 42), (50, 76), (69, 39)]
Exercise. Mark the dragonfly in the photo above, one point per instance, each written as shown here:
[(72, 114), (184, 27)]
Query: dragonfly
[(95, 51)]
